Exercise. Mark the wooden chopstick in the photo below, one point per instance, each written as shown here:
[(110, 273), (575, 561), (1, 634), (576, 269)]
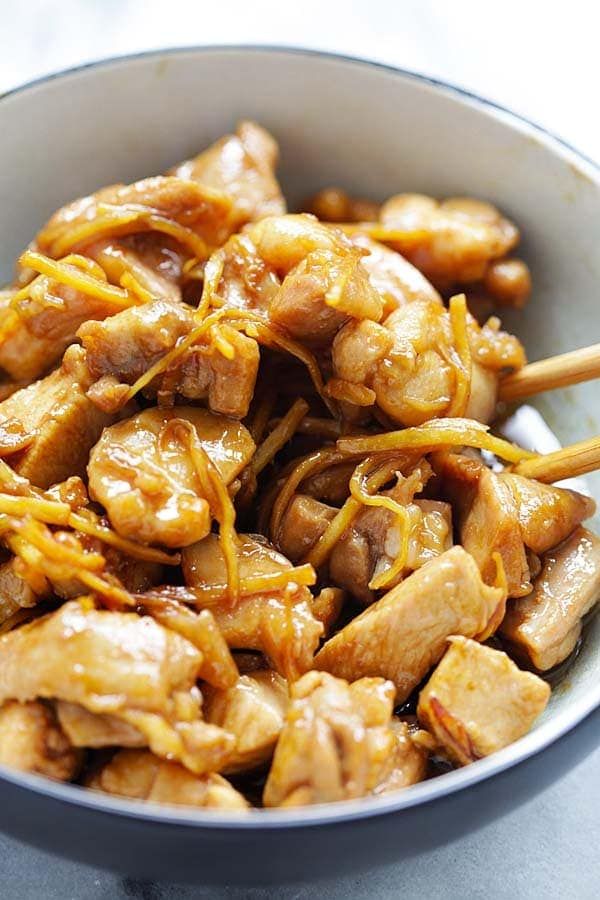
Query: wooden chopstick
[(554, 372), (569, 462)]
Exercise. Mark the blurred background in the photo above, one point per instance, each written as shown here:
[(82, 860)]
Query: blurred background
[(539, 57)]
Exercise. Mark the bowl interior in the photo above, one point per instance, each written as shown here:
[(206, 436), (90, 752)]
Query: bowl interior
[(367, 128)]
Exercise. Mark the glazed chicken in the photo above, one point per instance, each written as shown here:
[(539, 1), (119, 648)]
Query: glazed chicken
[(253, 710), (337, 742), (510, 515), (32, 740), (143, 473), (257, 537), (279, 621), (402, 635), (63, 424), (545, 625), (118, 664), (140, 775), (470, 723), (370, 546)]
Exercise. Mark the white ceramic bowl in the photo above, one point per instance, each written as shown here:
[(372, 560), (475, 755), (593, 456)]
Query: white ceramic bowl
[(376, 131)]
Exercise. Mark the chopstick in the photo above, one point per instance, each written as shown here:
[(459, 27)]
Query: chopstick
[(555, 372), (569, 462)]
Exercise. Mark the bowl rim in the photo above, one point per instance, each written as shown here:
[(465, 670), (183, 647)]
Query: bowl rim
[(427, 791)]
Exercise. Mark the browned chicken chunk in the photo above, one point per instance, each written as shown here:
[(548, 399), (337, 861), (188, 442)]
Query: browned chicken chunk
[(31, 740), (128, 344), (124, 347), (396, 280), (545, 625), (37, 333), (409, 763), (118, 664), (477, 701), (509, 514), (16, 593), (337, 742), (65, 423), (370, 546), (243, 166), (141, 207), (140, 775), (450, 242), (142, 472), (154, 261), (253, 710), (409, 361), (87, 729), (279, 622), (404, 634)]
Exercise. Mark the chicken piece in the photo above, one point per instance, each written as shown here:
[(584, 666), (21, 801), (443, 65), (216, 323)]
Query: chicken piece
[(122, 348), (488, 522), (450, 242), (140, 775), (31, 740), (246, 281), (305, 520), (410, 761), (155, 261), (253, 710), (87, 729), (404, 634), (278, 622), (373, 541), (321, 292), (143, 473), (407, 361), (547, 514), (477, 701), (282, 242), (510, 515), (508, 281), (242, 166), (128, 344), (330, 486), (336, 743), (335, 205), (396, 280), (65, 423), (16, 593), (359, 349), (142, 207), (327, 606), (545, 626), (37, 332), (117, 664), (204, 373)]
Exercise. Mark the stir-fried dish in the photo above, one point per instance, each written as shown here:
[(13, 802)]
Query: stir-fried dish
[(259, 544)]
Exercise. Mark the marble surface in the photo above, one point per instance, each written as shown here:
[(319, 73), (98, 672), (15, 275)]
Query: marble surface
[(539, 59)]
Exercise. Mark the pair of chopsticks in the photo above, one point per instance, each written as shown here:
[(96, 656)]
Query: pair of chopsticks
[(548, 374)]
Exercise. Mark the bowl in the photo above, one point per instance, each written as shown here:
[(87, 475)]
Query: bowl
[(374, 130)]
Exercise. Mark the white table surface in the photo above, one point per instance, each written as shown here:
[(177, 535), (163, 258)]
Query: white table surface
[(538, 57)]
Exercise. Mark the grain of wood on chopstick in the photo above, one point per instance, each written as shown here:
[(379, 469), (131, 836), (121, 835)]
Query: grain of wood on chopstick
[(569, 462), (548, 374)]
